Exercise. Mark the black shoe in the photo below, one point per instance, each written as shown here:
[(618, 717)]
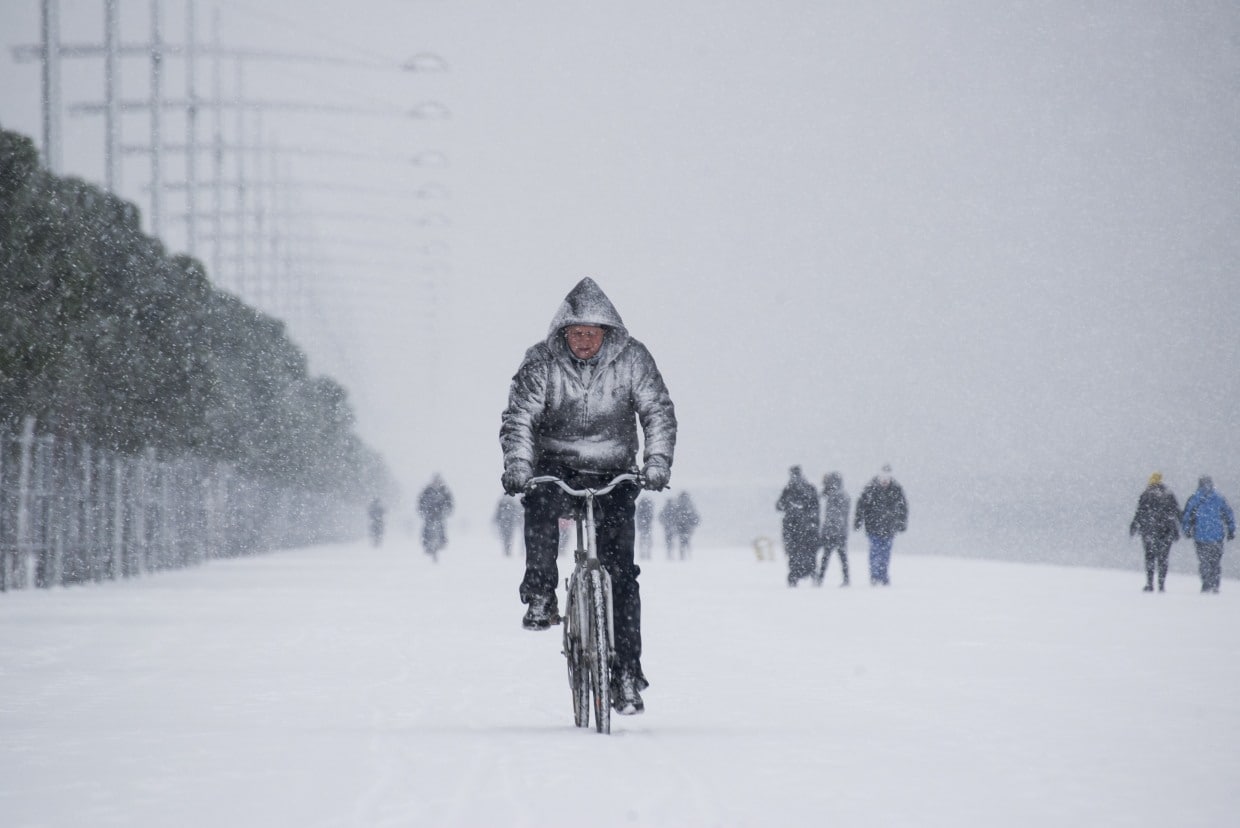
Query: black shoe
[(542, 613), (625, 698), (1148, 588)]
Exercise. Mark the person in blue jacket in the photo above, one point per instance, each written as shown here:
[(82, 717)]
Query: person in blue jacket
[(1208, 520)]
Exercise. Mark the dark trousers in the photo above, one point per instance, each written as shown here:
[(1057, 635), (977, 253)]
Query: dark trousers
[(800, 543), (614, 525), (1210, 563), (1157, 553), (839, 546)]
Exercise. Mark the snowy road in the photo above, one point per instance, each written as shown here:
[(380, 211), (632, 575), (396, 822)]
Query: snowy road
[(346, 686)]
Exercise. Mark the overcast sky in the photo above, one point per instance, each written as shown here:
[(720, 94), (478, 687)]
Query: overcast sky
[(966, 238)]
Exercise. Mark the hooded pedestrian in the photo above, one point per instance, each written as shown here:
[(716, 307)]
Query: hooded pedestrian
[(687, 520), (882, 510), (1209, 521), (1157, 521), (799, 503), (836, 505)]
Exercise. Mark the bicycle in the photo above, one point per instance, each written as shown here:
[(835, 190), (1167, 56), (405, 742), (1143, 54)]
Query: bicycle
[(589, 637)]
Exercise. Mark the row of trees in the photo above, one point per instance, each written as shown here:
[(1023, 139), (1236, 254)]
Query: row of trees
[(108, 340)]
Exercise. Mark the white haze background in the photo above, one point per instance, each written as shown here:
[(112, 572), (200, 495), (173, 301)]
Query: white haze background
[(993, 244)]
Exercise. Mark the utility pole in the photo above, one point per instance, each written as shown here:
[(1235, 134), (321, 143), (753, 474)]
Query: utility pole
[(191, 129), (217, 143), (157, 138), (111, 95), (240, 191), (50, 26)]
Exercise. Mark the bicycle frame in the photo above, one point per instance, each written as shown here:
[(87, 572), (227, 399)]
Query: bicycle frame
[(588, 610)]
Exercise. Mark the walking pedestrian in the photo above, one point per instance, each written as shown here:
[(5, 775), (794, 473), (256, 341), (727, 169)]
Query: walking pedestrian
[(507, 518), (645, 519), (882, 510), (799, 503), (668, 520), (836, 505), (1209, 520), (1157, 520), (687, 520)]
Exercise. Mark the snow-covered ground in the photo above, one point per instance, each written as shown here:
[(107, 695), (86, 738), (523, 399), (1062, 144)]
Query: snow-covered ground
[(346, 686)]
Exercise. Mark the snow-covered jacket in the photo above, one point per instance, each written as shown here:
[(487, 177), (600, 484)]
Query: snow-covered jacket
[(687, 517), (435, 502), (1208, 517), (1158, 515), (799, 503), (883, 510), (584, 414)]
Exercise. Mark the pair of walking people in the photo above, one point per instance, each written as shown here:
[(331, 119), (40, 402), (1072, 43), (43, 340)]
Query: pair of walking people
[(1207, 518)]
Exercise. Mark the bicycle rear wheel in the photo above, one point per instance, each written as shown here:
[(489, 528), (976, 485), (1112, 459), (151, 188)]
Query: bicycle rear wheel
[(599, 650)]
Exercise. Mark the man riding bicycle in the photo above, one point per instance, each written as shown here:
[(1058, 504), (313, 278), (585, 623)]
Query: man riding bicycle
[(573, 411)]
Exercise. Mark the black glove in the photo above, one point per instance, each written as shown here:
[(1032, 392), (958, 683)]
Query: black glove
[(515, 478), (656, 475), (1231, 535)]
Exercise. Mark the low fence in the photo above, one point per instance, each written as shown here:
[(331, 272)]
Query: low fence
[(72, 514)]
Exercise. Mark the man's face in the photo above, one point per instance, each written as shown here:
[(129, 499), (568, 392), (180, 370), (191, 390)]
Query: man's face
[(584, 340)]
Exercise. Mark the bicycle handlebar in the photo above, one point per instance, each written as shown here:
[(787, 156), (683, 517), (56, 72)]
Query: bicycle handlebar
[(599, 492)]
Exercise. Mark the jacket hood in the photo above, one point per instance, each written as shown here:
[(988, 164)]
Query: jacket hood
[(586, 304)]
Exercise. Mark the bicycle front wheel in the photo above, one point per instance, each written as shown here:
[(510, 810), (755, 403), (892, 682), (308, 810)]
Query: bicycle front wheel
[(574, 652), (600, 650)]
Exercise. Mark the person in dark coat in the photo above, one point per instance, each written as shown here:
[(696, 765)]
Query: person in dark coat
[(836, 505), (507, 517), (882, 510), (687, 520), (645, 521), (1157, 521), (434, 505), (1208, 520), (574, 409), (799, 503)]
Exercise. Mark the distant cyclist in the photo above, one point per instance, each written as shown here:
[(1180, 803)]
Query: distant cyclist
[(573, 412), (434, 505)]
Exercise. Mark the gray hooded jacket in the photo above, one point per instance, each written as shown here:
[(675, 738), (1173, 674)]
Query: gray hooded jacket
[(584, 414)]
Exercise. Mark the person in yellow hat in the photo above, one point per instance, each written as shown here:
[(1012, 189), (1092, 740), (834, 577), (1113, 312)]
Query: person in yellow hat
[(1158, 522)]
